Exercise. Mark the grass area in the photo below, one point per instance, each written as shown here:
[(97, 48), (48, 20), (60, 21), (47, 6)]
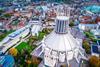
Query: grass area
[(24, 50), (2, 36), (26, 46), (41, 35)]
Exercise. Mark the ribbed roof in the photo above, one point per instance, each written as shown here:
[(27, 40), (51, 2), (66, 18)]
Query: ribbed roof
[(60, 42)]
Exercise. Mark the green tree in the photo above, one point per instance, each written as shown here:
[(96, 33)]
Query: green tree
[(2, 37), (7, 15), (41, 35), (1, 11), (90, 36), (71, 24), (45, 30), (86, 46)]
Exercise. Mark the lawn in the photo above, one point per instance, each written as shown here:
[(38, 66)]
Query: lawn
[(24, 50), (25, 45)]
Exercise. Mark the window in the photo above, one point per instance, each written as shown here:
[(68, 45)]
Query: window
[(62, 30), (59, 27), (51, 58), (95, 27), (99, 27)]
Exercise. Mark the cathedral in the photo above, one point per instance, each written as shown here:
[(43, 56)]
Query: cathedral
[(60, 47)]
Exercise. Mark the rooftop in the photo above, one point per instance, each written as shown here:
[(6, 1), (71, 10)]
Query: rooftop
[(93, 8), (7, 60), (95, 49), (89, 20)]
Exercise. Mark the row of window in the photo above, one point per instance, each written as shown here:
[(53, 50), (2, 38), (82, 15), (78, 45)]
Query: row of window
[(92, 27), (61, 26)]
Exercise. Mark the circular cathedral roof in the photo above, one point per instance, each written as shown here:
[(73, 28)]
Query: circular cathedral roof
[(60, 42)]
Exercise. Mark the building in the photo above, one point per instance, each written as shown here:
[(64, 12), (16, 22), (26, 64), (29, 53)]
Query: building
[(60, 47), (96, 32), (87, 26), (36, 23), (95, 49), (88, 23), (14, 38), (93, 8), (7, 61), (42, 10), (59, 1)]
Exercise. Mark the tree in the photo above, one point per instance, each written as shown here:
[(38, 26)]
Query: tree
[(32, 39), (13, 51), (7, 15), (86, 46), (45, 30), (94, 61), (90, 36), (2, 36), (28, 61), (41, 35), (1, 11), (36, 60), (71, 24)]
